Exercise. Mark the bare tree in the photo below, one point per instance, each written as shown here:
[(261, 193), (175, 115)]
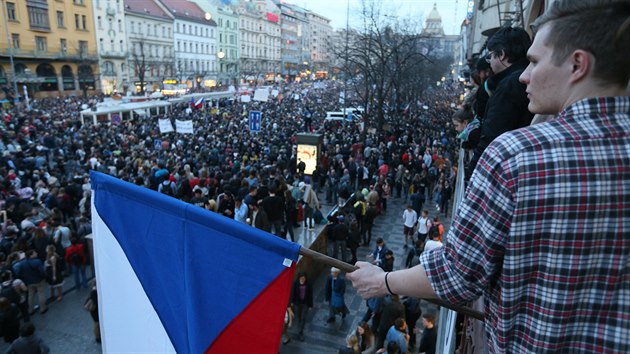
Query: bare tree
[(385, 64), (140, 64)]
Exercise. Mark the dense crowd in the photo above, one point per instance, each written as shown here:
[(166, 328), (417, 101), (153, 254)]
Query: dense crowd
[(254, 178)]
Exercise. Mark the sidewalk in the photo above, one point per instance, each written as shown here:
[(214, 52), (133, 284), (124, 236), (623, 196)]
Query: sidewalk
[(321, 337)]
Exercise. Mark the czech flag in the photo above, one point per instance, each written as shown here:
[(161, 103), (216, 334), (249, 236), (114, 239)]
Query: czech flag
[(199, 103), (176, 278)]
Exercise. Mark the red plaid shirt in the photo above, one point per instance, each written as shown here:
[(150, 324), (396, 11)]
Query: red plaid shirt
[(544, 235)]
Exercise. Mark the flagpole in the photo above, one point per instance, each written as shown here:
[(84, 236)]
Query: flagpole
[(349, 268)]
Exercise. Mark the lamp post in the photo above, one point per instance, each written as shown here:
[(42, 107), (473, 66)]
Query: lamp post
[(221, 55)]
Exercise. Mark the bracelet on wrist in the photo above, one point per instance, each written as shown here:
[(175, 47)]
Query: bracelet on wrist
[(387, 284)]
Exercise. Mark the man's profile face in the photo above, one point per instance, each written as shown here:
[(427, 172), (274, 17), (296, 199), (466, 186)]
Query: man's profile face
[(546, 82)]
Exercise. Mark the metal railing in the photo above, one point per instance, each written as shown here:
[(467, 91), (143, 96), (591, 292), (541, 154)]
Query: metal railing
[(447, 319)]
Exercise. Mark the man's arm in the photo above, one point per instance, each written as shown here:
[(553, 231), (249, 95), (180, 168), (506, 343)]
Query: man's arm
[(369, 281)]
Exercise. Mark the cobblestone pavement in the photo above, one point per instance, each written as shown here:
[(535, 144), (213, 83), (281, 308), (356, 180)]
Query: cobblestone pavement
[(67, 328), (321, 337)]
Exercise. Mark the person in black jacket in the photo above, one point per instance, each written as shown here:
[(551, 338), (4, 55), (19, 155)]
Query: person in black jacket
[(301, 300), (429, 334), (507, 106)]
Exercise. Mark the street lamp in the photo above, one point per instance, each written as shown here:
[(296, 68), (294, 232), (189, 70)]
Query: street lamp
[(208, 16), (221, 55)]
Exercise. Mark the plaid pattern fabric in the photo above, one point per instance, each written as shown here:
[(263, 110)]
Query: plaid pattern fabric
[(544, 235)]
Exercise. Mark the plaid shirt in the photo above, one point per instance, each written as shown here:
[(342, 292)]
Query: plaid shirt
[(544, 235)]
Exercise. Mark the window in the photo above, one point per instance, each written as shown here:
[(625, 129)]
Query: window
[(122, 47), (120, 26), (60, 19), (177, 28), (99, 22), (111, 45), (38, 15), (11, 11), (179, 46), (133, 27), (15, 39), (63, 44), (84, 22), (100, 44), (77, 21), (108, 68), (148, 29), (83, 48), (78, 2), (183, 28), (40, 44), (155, 30), (163, 32), (110, 24)]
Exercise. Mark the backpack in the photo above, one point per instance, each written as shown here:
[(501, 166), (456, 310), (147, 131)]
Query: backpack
[(10, 293), (75, 258), (167, 189), (434, 231)]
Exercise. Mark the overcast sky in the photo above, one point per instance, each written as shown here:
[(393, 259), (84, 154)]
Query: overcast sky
[(453, 12)]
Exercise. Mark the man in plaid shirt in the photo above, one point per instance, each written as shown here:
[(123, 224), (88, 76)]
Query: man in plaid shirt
[(544, 231)]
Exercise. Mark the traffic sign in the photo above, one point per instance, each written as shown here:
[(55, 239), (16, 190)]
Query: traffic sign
[(255, 118)]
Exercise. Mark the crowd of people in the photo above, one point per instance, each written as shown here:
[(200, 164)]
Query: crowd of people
[(253, 178)]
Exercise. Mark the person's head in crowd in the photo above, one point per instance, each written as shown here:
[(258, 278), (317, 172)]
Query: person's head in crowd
[(482, 71), (461, 118), (581, 49), (506, 47), (428, 320), (27, 329)]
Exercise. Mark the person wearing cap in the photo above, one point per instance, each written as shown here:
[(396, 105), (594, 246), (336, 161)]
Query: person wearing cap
[(335, 292)]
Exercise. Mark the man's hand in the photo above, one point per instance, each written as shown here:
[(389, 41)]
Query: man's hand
[(368, 280)]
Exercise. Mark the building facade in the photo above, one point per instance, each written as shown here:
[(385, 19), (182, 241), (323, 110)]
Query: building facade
[(320, 44), (52, 45), (227, 44), (194, 44), (111, 45), (150, 44), (260, 40)]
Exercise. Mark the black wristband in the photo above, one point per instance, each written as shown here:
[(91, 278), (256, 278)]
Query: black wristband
[(387, 284)]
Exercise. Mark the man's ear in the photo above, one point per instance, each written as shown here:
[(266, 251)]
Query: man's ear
[(581, 62)]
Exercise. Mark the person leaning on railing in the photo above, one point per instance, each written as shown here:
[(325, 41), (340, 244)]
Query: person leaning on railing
[(543, 231)]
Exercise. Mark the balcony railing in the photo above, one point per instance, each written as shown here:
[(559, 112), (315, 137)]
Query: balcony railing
[(48, 54), (447, 336), (114, 54)]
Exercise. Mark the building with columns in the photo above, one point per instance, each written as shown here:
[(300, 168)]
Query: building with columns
[(111, 45), (195, 40), (150, 44), (435, 43), (52, 45)]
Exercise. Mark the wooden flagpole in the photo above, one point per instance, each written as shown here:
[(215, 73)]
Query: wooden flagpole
[(349, 268)]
